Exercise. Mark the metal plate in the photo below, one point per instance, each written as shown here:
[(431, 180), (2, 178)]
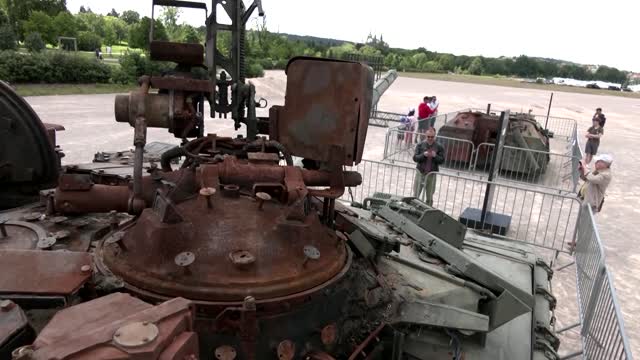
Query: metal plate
[(135, 334), (42, 272), (314, 118)]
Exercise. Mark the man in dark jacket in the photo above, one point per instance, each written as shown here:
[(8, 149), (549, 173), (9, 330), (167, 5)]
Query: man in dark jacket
[(428, 156)]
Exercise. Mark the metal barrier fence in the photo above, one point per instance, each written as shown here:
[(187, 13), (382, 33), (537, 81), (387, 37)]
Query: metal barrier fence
[(383, 118), (381, 177), (602, 328), (439, 120), (539, 218), (559, 126), (400, 147), (540, 168)]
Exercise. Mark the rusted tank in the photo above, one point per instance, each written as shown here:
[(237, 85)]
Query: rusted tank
[(221, 248), (526, 145)]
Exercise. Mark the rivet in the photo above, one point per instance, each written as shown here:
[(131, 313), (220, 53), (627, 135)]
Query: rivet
[(262, 197)]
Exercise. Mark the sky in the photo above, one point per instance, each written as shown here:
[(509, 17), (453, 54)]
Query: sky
[(586, 32)]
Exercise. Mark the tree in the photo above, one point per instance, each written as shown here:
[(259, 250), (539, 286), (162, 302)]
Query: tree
[(476, 67), (406, 64), (130, 17), (113, 13), (419, 60), (446, 62), (88, 41), (115, 31), (33, 42), (64, 24), (169, 19), (82, 9), (19, 11), (139, 33), (8, 40), (494, 66), (525, 66), (369, 50), (40, 22), (93, 23), (191, 35), (4, 19)]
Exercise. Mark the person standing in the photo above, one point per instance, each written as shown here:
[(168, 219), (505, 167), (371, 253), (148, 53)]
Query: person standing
[(433, 106), (428, 156), (596, 182), (424, 112), (594, 133), (600, 116), (408, 125)]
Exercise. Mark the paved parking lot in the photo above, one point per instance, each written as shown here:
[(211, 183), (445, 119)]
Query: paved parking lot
[(90, 127)]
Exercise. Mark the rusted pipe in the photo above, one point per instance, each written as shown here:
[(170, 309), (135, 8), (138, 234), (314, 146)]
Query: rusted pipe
[(103, 198), (100, 198)]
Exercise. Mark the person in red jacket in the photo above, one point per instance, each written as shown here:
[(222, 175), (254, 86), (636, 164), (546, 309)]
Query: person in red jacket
[(424, 112)]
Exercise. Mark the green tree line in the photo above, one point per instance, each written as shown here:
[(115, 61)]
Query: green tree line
[(37, 22)]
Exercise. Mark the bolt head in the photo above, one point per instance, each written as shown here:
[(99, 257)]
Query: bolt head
[(6, 305), (207, 191), (263, 196)]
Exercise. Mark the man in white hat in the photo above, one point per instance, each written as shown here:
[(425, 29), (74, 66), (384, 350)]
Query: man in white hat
[(596, 181)]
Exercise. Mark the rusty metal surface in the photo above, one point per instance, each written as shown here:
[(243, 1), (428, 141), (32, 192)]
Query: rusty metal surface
[(314, 119), (43, 272), (103, 198), (180, 83), (274, 244), (20, 235), (88, 331), (473, 126), (12, 320), (182, 53), (25, 227)]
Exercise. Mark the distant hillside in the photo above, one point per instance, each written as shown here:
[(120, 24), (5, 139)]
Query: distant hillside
[(273, 49), (315, 39)]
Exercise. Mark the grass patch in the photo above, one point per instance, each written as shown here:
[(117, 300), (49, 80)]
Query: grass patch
[(70, 89), (510, 82)]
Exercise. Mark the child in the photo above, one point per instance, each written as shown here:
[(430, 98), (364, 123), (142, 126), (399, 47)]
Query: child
[(408, 125), (594, 133)]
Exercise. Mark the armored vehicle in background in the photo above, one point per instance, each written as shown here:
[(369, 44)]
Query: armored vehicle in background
[(527, 143)]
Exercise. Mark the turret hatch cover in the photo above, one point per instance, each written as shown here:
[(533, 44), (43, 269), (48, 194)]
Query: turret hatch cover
[(28, 161)]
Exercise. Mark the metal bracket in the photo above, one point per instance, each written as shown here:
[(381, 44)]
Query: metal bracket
[(468, 266)]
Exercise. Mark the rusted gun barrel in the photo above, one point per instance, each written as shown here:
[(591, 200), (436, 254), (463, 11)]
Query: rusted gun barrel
[(382, 85)]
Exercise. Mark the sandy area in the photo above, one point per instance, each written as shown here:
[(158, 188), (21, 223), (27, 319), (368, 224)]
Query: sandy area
[(91, 127)]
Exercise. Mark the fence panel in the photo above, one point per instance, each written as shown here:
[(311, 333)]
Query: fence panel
[(538, 167), (381, 177), (559, 126), (603, 333), (401, 146), (539, 218), (385, 119)]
